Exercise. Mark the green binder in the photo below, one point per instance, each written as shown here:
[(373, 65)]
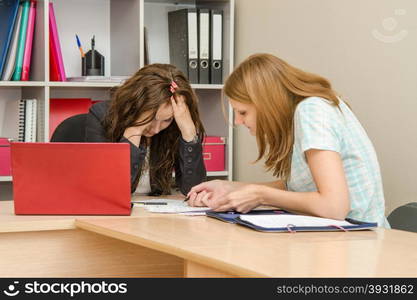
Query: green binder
[(22, 40)]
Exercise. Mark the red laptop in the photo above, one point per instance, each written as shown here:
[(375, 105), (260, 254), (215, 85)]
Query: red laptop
[(71, 178)]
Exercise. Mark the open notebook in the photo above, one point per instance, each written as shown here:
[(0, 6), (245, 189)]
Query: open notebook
[(281, 221)]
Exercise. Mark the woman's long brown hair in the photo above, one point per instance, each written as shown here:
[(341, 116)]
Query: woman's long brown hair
[(275, 88), (143, 92)]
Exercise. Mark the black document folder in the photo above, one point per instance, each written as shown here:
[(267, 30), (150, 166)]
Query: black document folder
[(204, 46), (183, 41), (216, 47), (282, 221)]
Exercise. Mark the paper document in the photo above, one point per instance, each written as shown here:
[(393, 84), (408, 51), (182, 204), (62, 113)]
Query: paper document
[(170, 206), (280, 221)]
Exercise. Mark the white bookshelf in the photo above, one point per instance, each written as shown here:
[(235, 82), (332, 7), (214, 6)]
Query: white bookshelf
[(70, 84), (21, 83), (218, 173), (118, 26)]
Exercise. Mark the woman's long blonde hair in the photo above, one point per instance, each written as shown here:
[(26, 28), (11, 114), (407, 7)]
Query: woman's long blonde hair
[(275, 88)]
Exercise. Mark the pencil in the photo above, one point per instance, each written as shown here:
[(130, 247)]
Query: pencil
[(79, 46)]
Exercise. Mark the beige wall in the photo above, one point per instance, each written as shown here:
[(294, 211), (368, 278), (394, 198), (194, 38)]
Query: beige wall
[(379, 79)]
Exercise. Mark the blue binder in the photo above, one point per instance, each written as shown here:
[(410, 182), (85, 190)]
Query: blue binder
[(235, 218), (8, 13)]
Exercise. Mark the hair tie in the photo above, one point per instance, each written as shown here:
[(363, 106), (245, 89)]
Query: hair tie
[(339, 227), (290, 228), (173, 86)]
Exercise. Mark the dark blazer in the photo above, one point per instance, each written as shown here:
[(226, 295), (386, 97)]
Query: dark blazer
[(189, 168)]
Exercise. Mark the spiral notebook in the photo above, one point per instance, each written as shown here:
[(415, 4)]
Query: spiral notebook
[(281, 221), (23, 113), (22, 120)]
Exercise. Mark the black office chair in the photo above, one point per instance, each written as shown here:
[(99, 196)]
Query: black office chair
[(71, 130), (404, 217)]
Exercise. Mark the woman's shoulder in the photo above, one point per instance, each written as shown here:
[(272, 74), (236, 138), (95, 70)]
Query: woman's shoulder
[(99, 109), (314, 101), (315, 105)]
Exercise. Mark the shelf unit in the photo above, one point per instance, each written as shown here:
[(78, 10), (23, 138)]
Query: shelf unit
[(118, 26)]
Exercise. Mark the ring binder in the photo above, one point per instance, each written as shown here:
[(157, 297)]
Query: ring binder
[(204, 46), (282, 221), (21, 43), (216, 62), (29, 41), (183, 41), (11, 54), (8, 14)]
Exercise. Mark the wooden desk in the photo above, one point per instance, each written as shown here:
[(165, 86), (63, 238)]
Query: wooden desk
[(213, 248), (172, 245), (52, 246)]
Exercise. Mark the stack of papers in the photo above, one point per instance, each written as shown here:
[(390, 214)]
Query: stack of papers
[(170, 207)]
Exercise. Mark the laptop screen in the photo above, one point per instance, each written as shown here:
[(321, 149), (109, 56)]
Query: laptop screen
[(71, 178)]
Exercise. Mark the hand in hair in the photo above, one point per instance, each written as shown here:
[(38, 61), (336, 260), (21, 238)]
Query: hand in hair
[(183, 118)]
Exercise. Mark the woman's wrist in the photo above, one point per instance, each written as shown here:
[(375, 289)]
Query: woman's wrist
[(134, 139), (133, 135), (188, 135), (259, 191)]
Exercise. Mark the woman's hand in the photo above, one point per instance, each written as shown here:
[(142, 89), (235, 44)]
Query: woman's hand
[(242, 200), (207, 193), (183, 118)]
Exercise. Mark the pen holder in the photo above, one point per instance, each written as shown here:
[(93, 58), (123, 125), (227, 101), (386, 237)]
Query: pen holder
[(92, 64)]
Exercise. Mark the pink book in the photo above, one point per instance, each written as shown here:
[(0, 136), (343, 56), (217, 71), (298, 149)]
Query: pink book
[(29, 41), (54, 40)]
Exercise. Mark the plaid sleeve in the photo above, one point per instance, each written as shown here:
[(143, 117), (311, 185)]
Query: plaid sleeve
[(317, 125)]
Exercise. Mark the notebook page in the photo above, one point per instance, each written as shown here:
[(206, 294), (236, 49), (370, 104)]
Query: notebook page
[(171, 207), (283, 221)]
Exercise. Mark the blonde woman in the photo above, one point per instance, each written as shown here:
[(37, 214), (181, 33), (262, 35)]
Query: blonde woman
[(311, 141)]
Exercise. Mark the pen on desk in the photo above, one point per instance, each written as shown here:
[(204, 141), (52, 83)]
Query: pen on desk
[(79, 46), (152, 203), (186, 199)]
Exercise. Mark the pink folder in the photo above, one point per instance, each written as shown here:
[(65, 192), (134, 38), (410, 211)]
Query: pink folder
[(5, 166), (55, 45), (29, 41)]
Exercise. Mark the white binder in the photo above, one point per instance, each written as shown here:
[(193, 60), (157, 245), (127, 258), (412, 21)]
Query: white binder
[(192, 46), (204, 46), (216, 64)]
